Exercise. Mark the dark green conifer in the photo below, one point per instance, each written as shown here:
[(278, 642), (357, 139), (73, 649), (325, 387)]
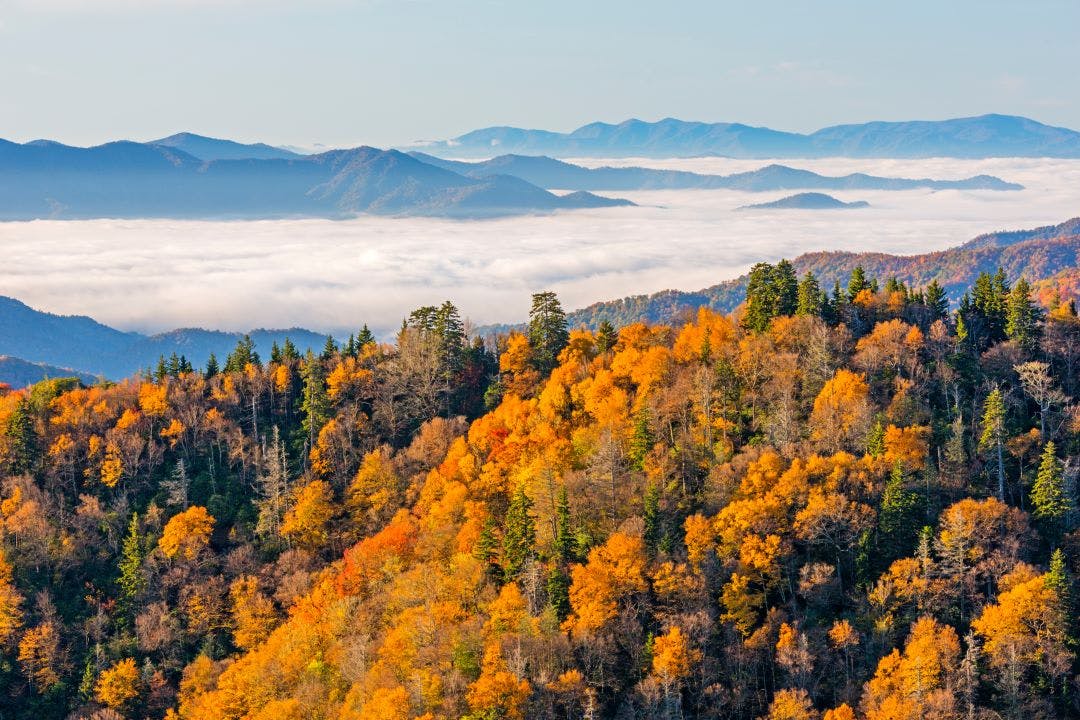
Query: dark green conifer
[(22, 439), (547, 332), (519, 536), (606, 336), (1022, 317), (809, 296), (936, 301)]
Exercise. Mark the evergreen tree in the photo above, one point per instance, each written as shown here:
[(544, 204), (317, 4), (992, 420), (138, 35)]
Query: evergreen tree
[(548, 333), (315, 404), (838, 298), (1060, 580), (289, 351), (364, 337), (809, 296), (131, 582), (1050, 499), (330, 349), (857, 283), (243, 355), (519, 537), (962, 334), (450, 333), (275, 352), (770, 292), (641, 440), (875, 439), (785, 290), (161, 369), (1022, 317), (993, 434), (486, 549), (22, 439), (212, 368), (897, 517), (606, 336), (558, 581), (936, 301), (558, 592), (759, 298), (989, 300)]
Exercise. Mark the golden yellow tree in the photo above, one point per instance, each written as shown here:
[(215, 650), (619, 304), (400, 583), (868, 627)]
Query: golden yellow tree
[(841, 411), (305, 523), (118, 685), (39, 653), (916, 683), (792, 705), (187, 533), (253, 613), (615, 570), (10, 603)]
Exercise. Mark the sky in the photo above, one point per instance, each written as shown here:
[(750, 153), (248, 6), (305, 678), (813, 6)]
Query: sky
[(392, 72)]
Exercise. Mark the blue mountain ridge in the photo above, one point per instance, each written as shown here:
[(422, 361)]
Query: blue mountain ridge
[(136, 180), (550, 173), (982, 136)]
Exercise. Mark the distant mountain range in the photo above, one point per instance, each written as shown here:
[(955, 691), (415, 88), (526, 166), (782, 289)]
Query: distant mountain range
[(973, 137), (807, 201), (18, 373), (44, 179), (550, 173), (75, 341), (1040, 254)]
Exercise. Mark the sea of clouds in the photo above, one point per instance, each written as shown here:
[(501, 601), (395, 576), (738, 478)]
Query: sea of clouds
[(152, 275)]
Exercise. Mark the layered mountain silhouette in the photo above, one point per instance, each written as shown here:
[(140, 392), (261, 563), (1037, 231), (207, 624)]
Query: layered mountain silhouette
[(551, 173), (807, 201), (972, 137), (91, 348), (45, 179)]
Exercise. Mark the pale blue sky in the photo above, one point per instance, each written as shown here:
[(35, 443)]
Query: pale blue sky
[(384, 72)]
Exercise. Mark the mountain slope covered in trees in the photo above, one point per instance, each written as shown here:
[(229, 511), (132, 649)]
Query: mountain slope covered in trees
[(79, 342), (838, 504), (1049, 254)]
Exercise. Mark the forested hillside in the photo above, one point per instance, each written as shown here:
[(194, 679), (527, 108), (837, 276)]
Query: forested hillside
[(1037, 255), (841, 501)]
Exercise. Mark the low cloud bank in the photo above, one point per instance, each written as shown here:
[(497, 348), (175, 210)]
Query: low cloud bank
[(332, 276)]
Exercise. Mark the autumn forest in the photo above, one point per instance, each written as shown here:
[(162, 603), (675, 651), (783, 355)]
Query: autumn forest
[(842, 502)]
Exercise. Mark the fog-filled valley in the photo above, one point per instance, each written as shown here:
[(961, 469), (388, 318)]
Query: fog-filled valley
[(332, 275)]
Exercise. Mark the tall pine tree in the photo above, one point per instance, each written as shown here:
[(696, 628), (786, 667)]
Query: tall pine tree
[(548, 333)]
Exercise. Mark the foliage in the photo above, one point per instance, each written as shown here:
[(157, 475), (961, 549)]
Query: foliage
[(798, 518)]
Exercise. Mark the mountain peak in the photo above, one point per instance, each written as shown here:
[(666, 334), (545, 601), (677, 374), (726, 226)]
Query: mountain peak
[(208, 148)]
